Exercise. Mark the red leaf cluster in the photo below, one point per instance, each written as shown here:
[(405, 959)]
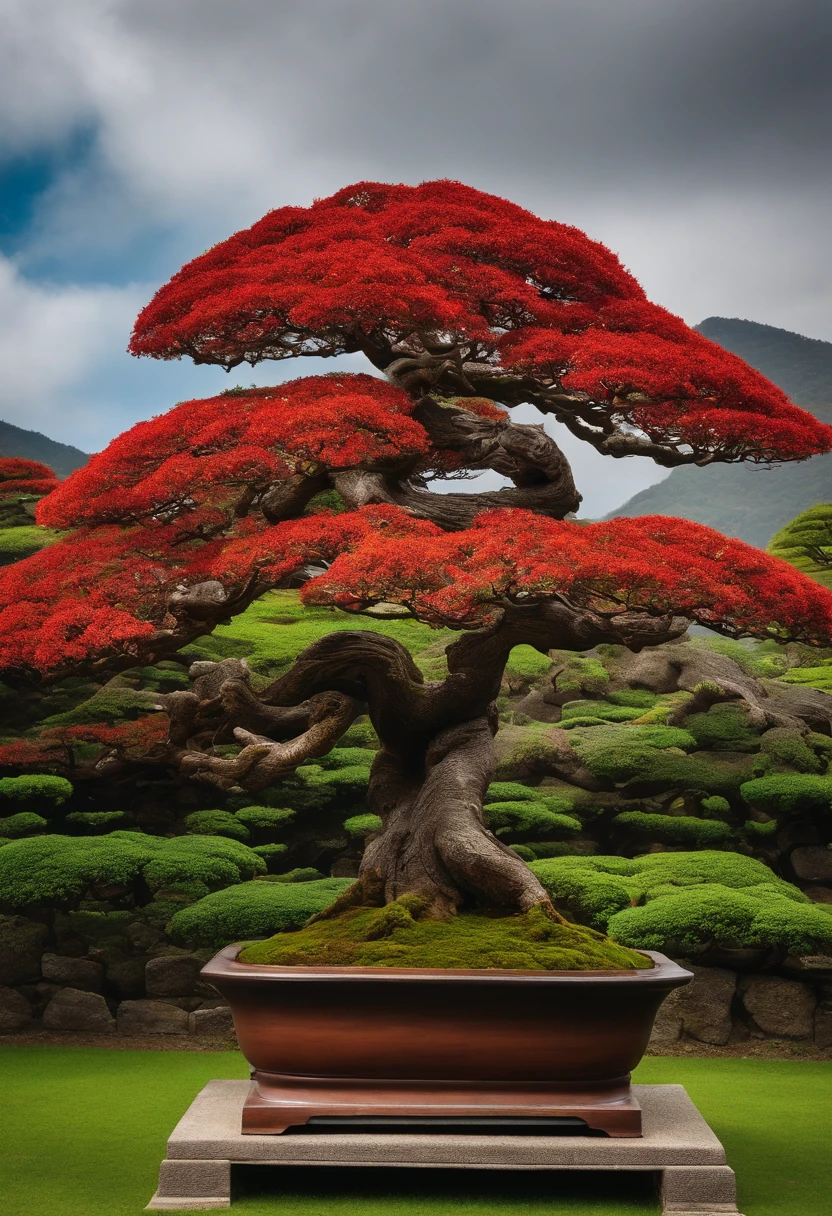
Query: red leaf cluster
[(378, 266), (19, 476), (55, 742), (192, 463), (654, 564)]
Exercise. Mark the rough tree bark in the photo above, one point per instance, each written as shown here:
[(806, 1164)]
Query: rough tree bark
[(436, 761)]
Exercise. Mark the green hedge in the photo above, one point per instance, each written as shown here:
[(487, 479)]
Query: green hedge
[(63, 869), (252, 909), (36, 785), (685, 902)]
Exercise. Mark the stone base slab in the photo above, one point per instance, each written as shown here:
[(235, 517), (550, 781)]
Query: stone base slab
[(676, 1142)]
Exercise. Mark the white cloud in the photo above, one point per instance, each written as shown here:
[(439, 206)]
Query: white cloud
[(51, 339), (638, 123)]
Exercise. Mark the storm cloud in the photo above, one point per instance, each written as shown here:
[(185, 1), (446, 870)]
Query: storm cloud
[(691, 136)]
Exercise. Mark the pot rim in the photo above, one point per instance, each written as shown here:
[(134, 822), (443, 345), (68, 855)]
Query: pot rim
[(225, 966)]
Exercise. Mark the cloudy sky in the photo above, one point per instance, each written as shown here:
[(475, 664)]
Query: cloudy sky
[(692, 136)]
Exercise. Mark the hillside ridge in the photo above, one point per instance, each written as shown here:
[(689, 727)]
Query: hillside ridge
[(745, 501), (33, 445)]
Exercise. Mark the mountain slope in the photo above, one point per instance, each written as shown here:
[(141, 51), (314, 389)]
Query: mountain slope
[(62, 457), (743, 500)]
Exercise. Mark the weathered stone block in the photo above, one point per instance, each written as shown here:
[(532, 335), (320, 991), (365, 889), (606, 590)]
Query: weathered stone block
[(172, 975), (781, 1009), (702, 1010), (812, 863), (143, 937), (820, 895), (151, 1017), (127, 978), (15, 1011), (212, 1022), (823, 1027), (72, 1009), (21, 945), (81, 973)]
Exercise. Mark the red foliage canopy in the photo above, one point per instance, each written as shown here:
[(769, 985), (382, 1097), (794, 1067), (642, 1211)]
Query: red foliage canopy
[(110, 591), (497, 301), (184, 519), (193, 463), (19, 476)]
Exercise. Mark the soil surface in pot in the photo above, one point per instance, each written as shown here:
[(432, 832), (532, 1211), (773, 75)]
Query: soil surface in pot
[(393, 936)]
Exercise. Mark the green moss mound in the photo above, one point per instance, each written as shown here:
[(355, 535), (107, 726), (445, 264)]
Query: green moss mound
[(62, 869), (393, 937), (681, 903), (252, 909)]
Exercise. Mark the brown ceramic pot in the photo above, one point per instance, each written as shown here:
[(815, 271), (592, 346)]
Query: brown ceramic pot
[(392, 1042)]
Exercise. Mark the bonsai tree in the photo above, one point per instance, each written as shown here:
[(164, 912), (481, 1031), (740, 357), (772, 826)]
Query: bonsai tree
[(466, 306), (806, 543)]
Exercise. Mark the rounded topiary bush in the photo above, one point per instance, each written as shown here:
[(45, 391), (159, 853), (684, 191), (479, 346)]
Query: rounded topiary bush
[(675, 829), (24, 823), (61, 870), (216, 823), (36, 786), (252, 909), (265, 818), (508, 818), (783, 793), (687, 902), (683, 922)]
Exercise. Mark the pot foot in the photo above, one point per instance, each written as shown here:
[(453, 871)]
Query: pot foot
[(277, 1102)]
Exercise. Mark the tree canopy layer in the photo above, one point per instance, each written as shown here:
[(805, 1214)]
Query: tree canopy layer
[(469, 306)]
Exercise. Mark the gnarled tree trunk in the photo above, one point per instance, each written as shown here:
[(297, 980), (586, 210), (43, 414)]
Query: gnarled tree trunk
[(429, 779)]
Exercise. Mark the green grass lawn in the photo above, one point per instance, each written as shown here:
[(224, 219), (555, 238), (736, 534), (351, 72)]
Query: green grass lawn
[(83, 1131)]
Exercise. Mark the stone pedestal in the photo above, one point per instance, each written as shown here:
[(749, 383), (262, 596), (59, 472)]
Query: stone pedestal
[(676, 1144)]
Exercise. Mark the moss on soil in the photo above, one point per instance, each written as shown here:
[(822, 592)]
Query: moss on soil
[(392, 937)]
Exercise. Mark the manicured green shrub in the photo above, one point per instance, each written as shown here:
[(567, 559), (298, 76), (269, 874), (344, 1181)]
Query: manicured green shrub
[(299, 874), (618, 753), (675, 829), (598, 710), (716, 805), (783, 793), (760, 830), (584, 674), (683, 922), (95, 820), (559, 848), (349, 782), (522, 851), (346, 757), (216, 823), (511, 791), (361, 734), (527, 664), (684, 902), (723, 728), (271, 853), (362, 825), (789, 749), (636, 698), (265, 818), (504, 818), (36, 785), (252, 909), (24, 823), (62, 869), (655, 756)]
